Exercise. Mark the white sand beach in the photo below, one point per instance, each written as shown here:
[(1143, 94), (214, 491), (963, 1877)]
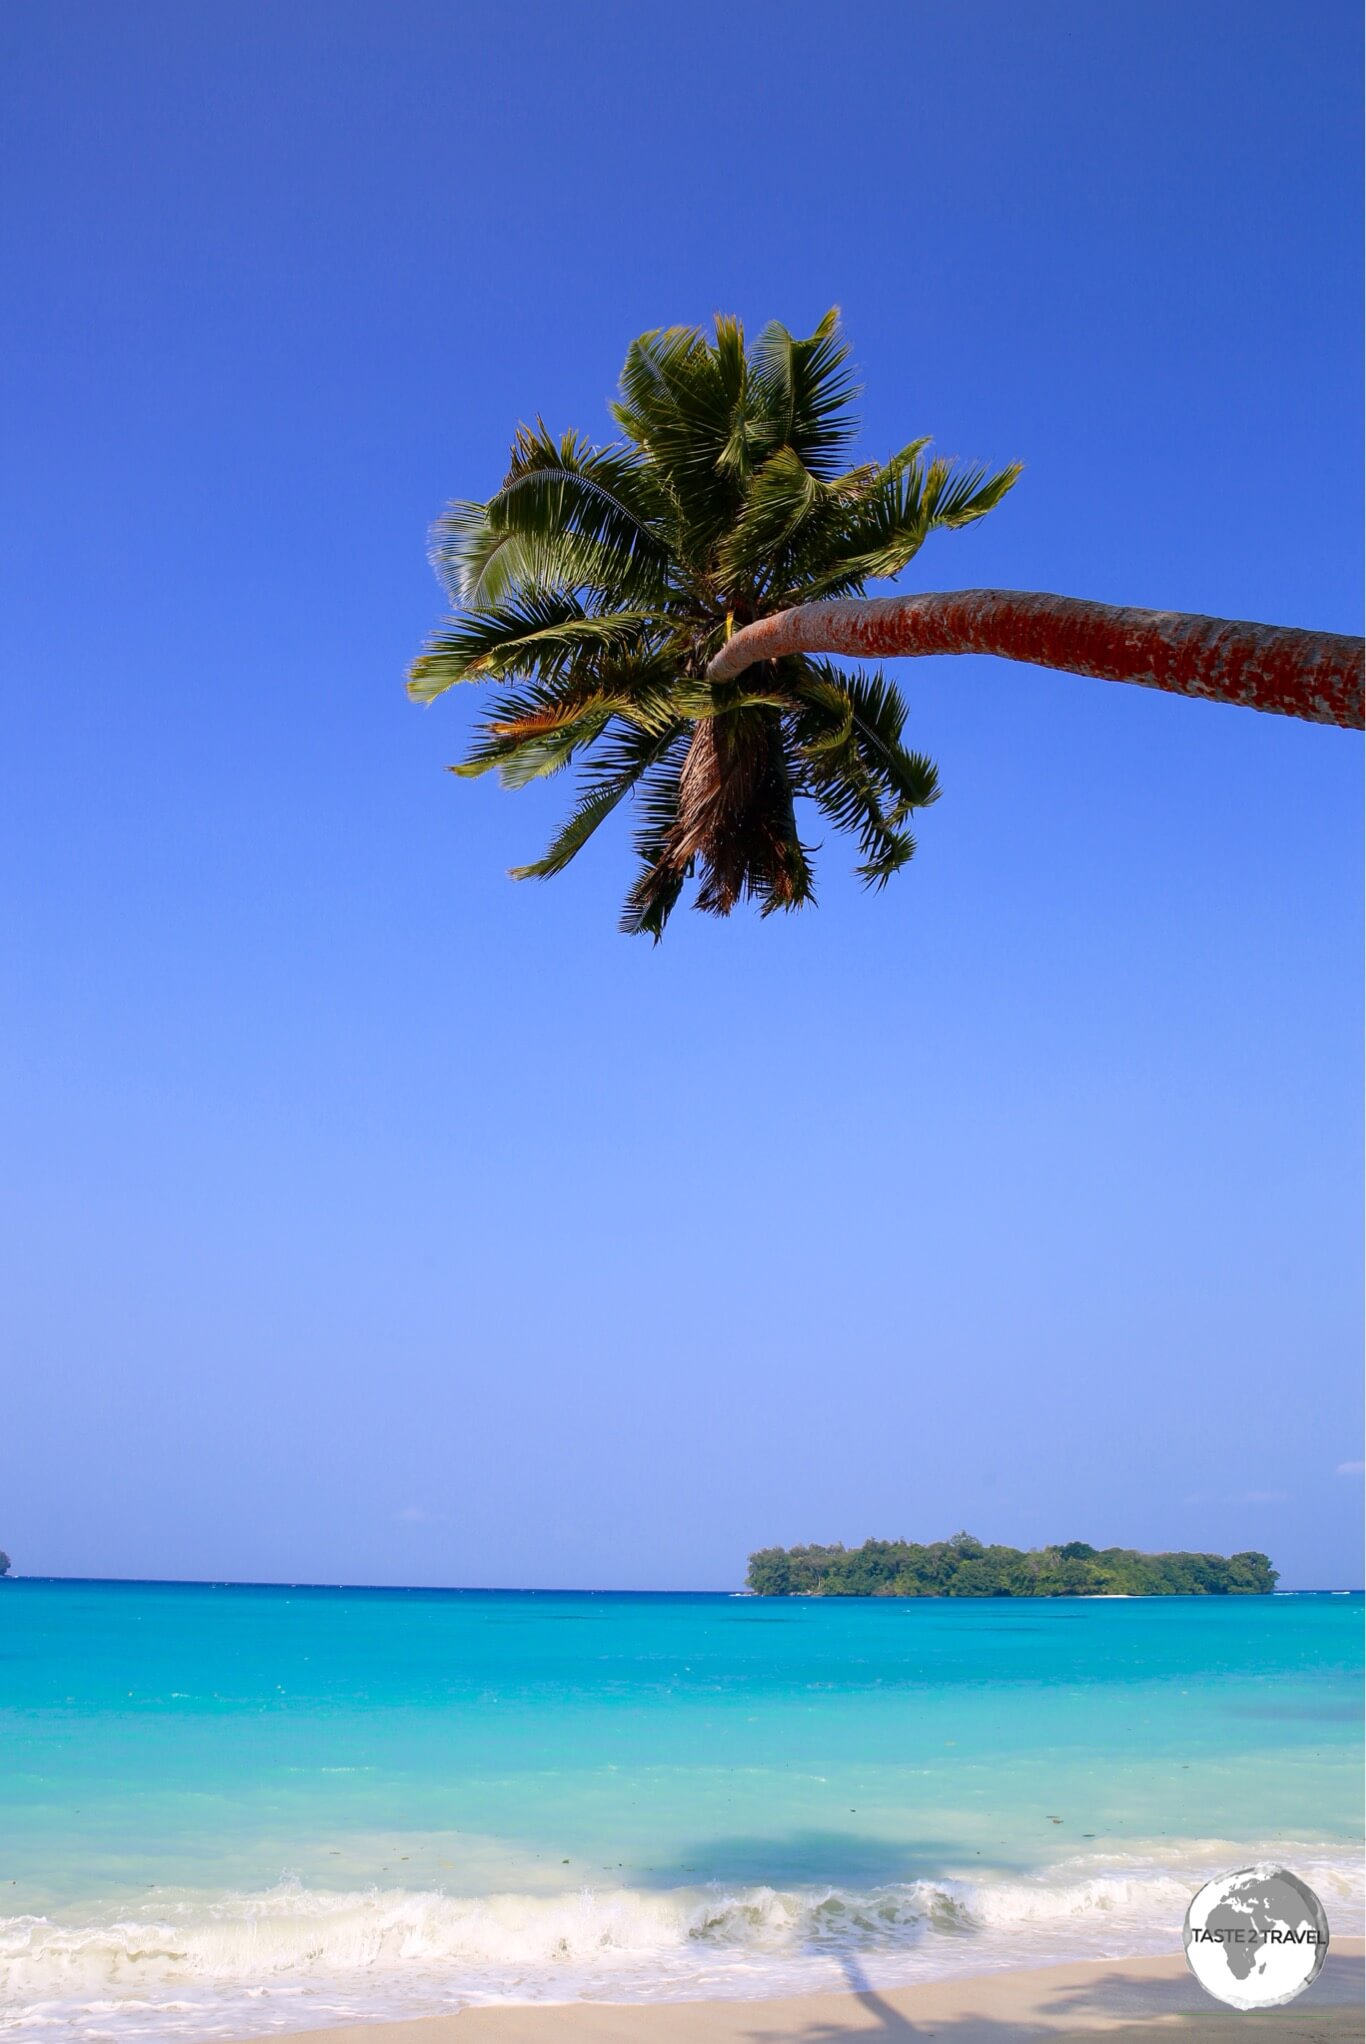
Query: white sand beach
[(1126, 2000)]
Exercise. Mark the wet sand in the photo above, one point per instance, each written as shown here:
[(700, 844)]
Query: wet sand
[(1129, 2001)]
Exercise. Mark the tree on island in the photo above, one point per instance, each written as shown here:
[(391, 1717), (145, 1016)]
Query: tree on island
[(964, 1567), (654, 611), (4, 1562)]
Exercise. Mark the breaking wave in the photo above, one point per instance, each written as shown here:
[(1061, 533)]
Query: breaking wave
[(227, 1965)]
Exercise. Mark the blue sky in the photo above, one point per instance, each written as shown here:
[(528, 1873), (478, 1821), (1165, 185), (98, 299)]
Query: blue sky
[(371, 1218)]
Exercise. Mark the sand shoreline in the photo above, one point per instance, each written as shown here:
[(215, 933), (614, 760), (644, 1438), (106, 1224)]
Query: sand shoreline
[(1129, 2001)]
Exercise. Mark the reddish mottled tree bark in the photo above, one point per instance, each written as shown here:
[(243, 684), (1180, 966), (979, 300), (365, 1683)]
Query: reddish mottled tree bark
[(1315, 675)]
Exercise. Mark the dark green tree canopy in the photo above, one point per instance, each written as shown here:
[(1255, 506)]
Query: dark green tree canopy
[(964, 1567), (593, 589)]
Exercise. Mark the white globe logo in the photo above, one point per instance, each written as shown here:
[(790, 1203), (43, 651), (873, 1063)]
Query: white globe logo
[(1256, 1938)]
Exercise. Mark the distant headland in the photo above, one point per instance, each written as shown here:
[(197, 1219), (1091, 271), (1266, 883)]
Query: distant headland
[(964, 1567)]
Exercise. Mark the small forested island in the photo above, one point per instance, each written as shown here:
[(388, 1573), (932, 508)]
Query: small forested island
[(964, 1567)]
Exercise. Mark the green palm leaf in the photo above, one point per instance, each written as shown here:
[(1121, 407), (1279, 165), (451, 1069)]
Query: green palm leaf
[(807, 393), (542, 630), (855, 768), (527, 747), (556, 491), (483, 560), (657, 799), (887, 526), (631, 754), (684, 406)]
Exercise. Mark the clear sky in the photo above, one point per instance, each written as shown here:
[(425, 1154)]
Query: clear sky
[(371, 1218)]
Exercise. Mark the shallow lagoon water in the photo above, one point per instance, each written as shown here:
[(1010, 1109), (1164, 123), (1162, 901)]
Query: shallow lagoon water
[(227, 1809)]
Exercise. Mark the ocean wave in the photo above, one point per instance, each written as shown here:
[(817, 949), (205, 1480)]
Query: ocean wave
[(196, 1963)]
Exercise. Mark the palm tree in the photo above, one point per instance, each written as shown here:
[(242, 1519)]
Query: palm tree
[(621, 599), (596, 587)]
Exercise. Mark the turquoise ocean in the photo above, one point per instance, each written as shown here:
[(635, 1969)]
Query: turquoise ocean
[(226, 1810)]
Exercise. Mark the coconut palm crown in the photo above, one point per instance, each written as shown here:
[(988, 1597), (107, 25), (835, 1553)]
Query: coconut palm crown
[(593, 589)]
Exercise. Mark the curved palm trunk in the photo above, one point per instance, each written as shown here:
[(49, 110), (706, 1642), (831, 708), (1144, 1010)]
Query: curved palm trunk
[(1315, 675)]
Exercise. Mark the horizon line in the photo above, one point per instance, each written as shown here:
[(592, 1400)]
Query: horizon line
[(581, 1590)]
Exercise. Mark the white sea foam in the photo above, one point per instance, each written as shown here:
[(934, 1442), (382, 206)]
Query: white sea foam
[(204, 1965)]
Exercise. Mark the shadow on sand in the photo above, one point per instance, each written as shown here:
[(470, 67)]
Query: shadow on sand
[(1117, 2006)]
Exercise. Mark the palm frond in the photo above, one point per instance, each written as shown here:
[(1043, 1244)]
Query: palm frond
[(887, 526), (790, 531), (475, 562), (481, 561), (853, 807), (606, 498), (879, 717), (960, 499), (854, 765), (806, 392), (627, 756), (654, 894), (541, 631), (678, 397), (517, 715), (732, 364), (780, 498), (526, 743), (683, 405)]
